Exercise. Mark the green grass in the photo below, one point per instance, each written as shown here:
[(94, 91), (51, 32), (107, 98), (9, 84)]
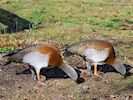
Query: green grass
[(6, 49), (112, 24), (72, 20)]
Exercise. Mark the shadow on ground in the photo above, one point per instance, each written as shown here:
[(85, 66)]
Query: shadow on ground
[(107, 68), (13, 22), (53, 73), (58, 73)]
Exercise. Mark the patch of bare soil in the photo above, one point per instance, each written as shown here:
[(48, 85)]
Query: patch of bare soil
[(16, 83)]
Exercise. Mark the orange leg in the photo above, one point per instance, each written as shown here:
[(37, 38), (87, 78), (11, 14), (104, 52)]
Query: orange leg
[(39, 83), (38, 74), (95, 71)]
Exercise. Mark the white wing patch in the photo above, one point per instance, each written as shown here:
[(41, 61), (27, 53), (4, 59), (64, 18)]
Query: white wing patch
[(36, 59), (96, 55)]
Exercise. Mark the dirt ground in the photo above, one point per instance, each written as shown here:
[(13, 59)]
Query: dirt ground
[(16, 83)]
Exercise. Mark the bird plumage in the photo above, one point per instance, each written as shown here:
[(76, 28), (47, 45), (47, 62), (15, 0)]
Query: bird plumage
[(40, 56), (97, 52)]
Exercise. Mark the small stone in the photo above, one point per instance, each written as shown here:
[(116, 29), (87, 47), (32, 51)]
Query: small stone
[(112, 96)]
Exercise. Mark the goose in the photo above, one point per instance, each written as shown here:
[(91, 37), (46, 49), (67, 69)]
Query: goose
[(41, 56), (96, 52)]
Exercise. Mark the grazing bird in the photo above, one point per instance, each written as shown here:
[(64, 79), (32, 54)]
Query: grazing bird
[(42, 56), (97, 52)]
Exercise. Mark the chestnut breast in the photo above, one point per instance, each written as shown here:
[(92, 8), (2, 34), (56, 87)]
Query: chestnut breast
[(55, 59)]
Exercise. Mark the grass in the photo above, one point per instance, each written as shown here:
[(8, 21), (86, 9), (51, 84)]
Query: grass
[(6, 49), (113, 24), (65, 21)]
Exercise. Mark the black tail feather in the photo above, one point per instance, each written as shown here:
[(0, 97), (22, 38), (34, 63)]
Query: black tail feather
[(9, 54)]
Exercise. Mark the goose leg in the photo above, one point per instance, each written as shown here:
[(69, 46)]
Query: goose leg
[(38, 74), (95, 71), (39, 83)]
